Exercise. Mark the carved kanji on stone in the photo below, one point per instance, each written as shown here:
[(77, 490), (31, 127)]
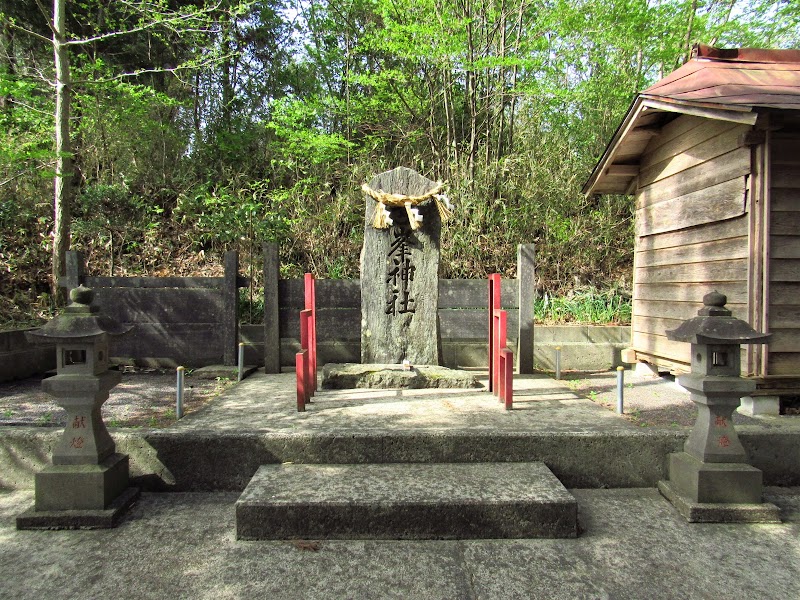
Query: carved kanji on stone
[(400, 276)]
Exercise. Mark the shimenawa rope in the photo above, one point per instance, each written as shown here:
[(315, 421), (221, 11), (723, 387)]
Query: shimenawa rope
[(382, 216)]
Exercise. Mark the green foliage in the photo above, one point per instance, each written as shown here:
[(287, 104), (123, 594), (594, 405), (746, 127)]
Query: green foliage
[(26, 156), (584, 306), (228, 214), (298, 137), (126, 131), (217, 125)]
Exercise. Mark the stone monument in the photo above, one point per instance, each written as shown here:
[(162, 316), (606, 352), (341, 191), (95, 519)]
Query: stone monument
[(400, 270), (711, 480), (86, 487), (400, 343)]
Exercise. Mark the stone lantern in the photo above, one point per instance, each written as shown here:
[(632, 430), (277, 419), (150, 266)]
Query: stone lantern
[(711, 480), (86, 487)]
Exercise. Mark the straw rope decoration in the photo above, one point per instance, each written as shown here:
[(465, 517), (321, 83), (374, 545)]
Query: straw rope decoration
[(381, 218)]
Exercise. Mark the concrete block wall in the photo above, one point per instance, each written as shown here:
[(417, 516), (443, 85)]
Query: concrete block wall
[(189, 321), (19, 358), (583, 347), (192, 321)]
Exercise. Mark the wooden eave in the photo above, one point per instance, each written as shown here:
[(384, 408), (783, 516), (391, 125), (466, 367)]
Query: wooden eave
[(726, 84), (618, 168)]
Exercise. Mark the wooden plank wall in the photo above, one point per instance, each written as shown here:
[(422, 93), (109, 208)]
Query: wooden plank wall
[(784, 261), (189, 321), (692, 231), (177, 320)]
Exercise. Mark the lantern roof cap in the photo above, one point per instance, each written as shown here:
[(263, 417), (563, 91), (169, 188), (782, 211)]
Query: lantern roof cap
[(716, 325), (79, 321)]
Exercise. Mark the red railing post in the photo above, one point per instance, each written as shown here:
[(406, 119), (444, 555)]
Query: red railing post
[(311, 304), (500, 340), (300, 360), (494, 304), (501, 387), (306, 317), (507, 377)]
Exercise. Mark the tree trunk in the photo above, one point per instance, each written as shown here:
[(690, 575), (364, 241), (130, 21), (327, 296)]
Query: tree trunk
[(472, 96), (6, 65), (687, 42), (62, 198), (514, 76)]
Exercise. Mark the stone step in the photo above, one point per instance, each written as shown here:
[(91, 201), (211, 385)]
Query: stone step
[(405, 501)]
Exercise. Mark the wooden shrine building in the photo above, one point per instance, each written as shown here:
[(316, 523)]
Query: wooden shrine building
[(712, 155)]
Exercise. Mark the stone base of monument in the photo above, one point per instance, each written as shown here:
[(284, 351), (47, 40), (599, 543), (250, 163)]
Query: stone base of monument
[(716, 492), (405, 501), (80, 496), (346, 376)]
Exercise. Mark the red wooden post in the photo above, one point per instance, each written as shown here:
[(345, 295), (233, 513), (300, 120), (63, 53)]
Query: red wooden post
[(494, 304), (311, 304), (490, 306), (501, 379), (500, 340), (300, 360), (306, 317), (507, 377)]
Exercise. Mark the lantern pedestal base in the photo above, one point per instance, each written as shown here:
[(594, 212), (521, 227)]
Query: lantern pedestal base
[(80, 496), (716, 492), (80, 519)]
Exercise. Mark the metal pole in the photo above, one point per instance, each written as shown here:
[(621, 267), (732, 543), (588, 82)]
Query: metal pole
[(620, 389), (558, 362), (179, 394), (241, 361)]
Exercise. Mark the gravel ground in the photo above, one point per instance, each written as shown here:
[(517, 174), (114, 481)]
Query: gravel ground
[(649, 400), (144, 398)]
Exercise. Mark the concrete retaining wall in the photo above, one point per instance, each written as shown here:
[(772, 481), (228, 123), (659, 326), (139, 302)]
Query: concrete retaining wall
[(205, 461), (189, 321), (19, 358), (583, 348)]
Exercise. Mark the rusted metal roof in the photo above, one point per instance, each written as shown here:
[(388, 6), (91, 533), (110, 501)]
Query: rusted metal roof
[(717, 83), (753, 77)]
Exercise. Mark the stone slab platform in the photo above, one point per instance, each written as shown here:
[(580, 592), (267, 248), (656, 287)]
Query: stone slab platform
[(181, 546), (347, 376), (405, 501), (256, 422)]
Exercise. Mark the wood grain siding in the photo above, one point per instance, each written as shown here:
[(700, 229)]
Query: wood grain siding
[(711, 272), (784, 251), (691, 231), (727, 248), (683, 157), (689, 292), (731, 165), (715, 203)]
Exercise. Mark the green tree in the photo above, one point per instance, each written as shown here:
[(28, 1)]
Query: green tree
[(133, 16)]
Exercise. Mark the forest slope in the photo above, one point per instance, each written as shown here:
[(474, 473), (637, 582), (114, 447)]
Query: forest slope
[(198, 127)]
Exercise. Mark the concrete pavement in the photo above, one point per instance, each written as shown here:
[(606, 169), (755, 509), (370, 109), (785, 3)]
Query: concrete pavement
[(634, 545)]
